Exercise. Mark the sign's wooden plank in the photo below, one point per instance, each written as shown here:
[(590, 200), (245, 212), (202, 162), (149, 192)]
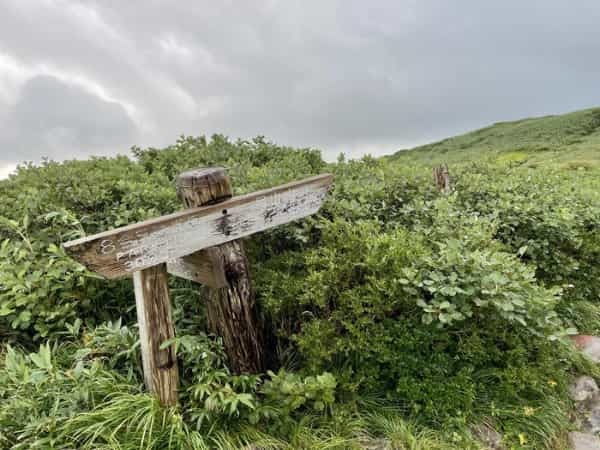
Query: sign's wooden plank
[(200, 267), (121, 251)]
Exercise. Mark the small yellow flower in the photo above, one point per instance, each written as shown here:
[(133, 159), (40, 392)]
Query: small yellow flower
[(552, 383), (528, 411), (522, 439)]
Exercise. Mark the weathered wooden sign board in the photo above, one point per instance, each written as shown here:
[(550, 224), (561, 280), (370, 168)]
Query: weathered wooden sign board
[(200, 244), (122, 251)]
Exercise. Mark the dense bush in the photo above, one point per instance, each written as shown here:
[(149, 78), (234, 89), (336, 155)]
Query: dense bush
[(395, 309), (551, 215)]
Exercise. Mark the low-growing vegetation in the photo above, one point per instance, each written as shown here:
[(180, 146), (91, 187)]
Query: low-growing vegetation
[(398, 315)]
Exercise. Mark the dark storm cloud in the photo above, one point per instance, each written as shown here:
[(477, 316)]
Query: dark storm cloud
[(348, 75)]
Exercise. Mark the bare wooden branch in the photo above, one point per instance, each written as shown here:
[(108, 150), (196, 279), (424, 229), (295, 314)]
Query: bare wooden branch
[(156, 326), (231, 308), (120, 252)]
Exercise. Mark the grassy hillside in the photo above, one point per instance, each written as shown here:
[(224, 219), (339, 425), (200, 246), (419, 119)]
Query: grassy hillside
[(570, 140)]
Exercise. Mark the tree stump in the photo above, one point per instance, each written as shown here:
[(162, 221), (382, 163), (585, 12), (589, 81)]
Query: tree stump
[(231, 308)]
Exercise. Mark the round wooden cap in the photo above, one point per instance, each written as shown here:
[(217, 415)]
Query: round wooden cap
[(203, 186)]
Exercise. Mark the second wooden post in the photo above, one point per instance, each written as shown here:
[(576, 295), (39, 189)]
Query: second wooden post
[(231, 309), (441, 178), (155, 321)]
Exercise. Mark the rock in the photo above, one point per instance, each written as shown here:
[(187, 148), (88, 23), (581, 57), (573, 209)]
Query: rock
[(588, 413), (582, 388), (583, 441), (488, 436), (589, 345)]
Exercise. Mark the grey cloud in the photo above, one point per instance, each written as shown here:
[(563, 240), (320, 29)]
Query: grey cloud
[(56, 120), (340, 75)]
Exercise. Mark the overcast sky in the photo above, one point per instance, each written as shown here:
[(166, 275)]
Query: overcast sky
[(96, 77)]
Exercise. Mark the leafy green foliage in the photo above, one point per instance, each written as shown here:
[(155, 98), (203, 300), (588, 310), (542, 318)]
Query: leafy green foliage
[(451, 310), (40, 287), (42, 390)]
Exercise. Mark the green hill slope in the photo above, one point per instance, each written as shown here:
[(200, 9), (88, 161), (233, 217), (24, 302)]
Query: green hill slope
[(572, 140)]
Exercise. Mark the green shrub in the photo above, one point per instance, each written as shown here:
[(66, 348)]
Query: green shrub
[(449, 309), (549, 218), (41, 289)]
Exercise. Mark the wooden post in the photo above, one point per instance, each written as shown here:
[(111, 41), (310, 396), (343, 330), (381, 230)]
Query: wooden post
[(231, 309), (441, 178), (156, 326)]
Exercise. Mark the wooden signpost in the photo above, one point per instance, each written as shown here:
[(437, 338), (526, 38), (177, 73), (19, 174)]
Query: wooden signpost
[(441, 178), (200, 243)]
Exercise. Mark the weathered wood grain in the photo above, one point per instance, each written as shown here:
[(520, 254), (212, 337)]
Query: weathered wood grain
[(231, 309), (200, 267), (441, 178), (232, 313), (125, 250), (155, 321), (201, 187)]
